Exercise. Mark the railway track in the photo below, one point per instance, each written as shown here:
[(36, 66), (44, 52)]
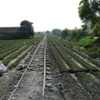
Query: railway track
[(41, 44), (36, 82)]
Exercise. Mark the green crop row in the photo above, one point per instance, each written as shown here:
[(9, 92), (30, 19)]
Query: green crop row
[(66, 57), (57, 58), (14, 55), (14, 64), (17, 44), (10, 44), (36, 41), (77, 58), (2, 56), (66, 47), (85, 56), (89, 84), (6, 49), (17, 53)]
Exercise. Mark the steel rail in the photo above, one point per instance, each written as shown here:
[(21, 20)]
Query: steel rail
[(10, 97), (44, 75)]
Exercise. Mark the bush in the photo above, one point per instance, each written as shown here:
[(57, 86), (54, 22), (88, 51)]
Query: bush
[(86, 42), (96, 30)]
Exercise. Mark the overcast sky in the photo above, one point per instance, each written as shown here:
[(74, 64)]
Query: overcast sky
[(45, 14)]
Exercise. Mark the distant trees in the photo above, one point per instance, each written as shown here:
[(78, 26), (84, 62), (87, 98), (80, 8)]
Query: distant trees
[(64, 33), (48, 32), (74, 34), (56, 32), (27, 28), (61, 33)]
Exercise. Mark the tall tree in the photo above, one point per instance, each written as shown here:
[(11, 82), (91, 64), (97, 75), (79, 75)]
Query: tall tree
[(84, 10), (89, 10), (27, 27), (64, 33)]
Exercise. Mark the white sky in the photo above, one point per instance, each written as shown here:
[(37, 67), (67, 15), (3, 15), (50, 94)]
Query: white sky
[(45, 14)]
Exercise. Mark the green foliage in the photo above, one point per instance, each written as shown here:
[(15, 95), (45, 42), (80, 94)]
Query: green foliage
[(83, 27), (86, 42), (64, 33), (89, 10), (56, 32), (85, 12), (76, 34), (81, 38), (63, 54), (96, 30), (95, 54), (27, 28)]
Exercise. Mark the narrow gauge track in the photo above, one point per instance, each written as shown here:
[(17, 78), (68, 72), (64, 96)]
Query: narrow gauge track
[(37, 81), (44, 41)]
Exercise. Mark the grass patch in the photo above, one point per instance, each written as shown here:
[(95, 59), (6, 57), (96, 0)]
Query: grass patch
[(86, 42)]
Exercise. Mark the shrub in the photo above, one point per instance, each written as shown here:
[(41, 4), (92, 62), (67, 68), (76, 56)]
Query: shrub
[(86, 42)]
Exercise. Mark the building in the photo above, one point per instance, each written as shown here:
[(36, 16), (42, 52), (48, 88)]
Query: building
[(8, 32), (26, 30), (13, 33)]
